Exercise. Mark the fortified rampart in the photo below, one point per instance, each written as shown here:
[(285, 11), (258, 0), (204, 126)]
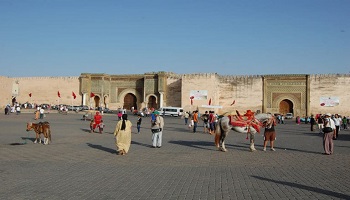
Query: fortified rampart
[(300, 94), (333, 87), (42, 89)]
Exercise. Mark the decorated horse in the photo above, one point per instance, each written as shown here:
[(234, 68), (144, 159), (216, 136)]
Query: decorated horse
[(249, 123), (40, 128)]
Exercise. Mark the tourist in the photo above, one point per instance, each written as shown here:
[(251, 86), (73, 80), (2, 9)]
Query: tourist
[(195, 121), (205, 119), (312, 122), (186, 116), (122, 135), (345, 123), (270, 133), (320, 123), (337, 121), (139, 120), (329, 132), (157, 130)]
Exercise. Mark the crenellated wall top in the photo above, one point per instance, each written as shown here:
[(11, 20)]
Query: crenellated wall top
[(329, 75), (46, 77)]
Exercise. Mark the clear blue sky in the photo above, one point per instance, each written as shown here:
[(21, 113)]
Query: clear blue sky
[(245, 37)]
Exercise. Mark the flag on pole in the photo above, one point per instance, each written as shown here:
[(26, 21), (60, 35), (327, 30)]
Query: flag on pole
[(234, 101), (92, 94), (209, 102), (74, 96), (30, 94), (59, 94), (191, 97)]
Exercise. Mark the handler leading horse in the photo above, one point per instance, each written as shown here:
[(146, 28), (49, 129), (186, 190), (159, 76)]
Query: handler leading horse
[(249, 124)]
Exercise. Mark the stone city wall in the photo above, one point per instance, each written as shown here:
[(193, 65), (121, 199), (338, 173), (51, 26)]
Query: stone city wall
[(43, 89), (245, 91), (330, 85)]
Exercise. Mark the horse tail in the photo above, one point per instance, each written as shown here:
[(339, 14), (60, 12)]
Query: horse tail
[(218, 134)]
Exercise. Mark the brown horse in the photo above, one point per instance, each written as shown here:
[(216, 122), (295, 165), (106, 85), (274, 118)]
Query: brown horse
[(40, 128)]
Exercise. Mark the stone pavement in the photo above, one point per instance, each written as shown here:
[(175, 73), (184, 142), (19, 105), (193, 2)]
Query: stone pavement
[(83, 165)]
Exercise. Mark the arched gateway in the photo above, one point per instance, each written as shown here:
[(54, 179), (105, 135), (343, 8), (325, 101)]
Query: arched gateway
[(123, 91)]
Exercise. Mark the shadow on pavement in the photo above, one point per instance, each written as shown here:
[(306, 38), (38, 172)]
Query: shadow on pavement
[(305, 187), (102, 148), (196, 144), (141, 144)]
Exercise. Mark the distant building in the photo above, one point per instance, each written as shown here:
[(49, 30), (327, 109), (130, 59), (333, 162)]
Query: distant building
[(300, 94)]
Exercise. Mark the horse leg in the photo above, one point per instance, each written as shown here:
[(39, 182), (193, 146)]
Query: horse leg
[(252, 147), (223, 148), (36, 137), (217, 140)]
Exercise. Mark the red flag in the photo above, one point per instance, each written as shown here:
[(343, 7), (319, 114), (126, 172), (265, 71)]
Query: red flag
[(59, 94), (74, 96), (191, 97), (92, 94), (234, 101), (209, 102), (30, 94)]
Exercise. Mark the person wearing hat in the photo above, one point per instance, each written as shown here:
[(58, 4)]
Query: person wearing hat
[(328, 130), (157, 129)]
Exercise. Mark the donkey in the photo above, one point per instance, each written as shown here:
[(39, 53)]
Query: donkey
[(40, 128), (249, 126)]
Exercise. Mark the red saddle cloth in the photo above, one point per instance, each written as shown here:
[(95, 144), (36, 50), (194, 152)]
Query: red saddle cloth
[(247, 120)]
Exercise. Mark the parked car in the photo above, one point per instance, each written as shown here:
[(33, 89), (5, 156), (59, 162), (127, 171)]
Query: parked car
[(289, 116), (84, 107)]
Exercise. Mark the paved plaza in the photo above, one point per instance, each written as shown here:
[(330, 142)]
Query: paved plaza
[(83, 165)]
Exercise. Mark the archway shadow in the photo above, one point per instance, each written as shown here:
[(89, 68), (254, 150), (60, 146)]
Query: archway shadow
[(305, 187), (196, 144), (102, 148)]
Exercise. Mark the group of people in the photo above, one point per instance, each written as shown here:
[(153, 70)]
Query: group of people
[(209, 119), (122, 132)]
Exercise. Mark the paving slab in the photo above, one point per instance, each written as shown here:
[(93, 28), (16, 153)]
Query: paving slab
[(83, 165)]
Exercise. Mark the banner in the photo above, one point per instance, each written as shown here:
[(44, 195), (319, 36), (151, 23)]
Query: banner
[(199, 94), (329, 101)]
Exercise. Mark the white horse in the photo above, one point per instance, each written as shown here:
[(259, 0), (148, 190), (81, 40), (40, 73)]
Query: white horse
[(250, 127)]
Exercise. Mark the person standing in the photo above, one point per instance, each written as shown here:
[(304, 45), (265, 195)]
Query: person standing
[(270, 133), (157, 130), (337, 121), (139, 120), (205, 119), (42, 111), (329, 132), (122, 135), (186, 116), (195, 121), (320, 123), (312, 122), (345, 123)]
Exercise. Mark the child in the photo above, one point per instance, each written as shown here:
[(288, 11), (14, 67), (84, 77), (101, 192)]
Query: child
[(100, 126), (92, 126)]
